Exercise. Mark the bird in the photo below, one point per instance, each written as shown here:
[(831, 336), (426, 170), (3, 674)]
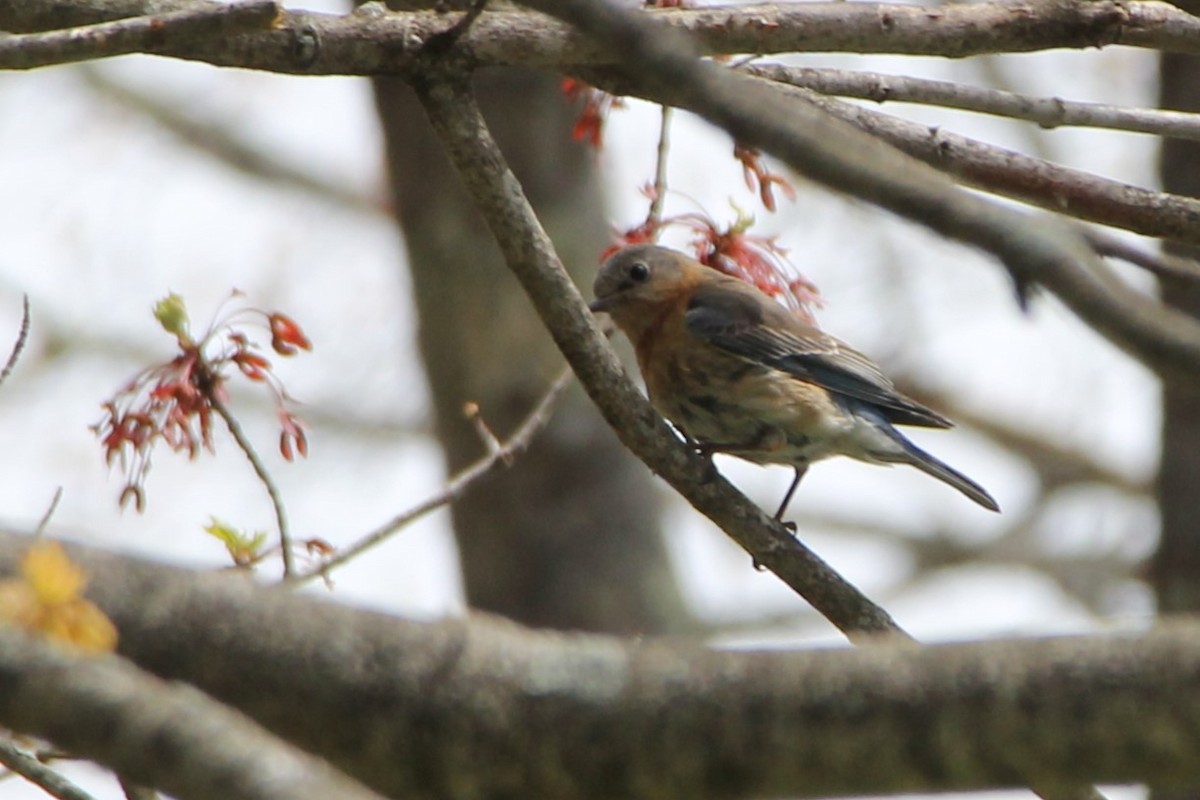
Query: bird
[(738, 373)]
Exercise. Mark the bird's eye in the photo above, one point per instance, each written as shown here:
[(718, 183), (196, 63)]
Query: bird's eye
[(639, 271)]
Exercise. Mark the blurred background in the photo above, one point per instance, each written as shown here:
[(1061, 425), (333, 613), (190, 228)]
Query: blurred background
[(128, 179)]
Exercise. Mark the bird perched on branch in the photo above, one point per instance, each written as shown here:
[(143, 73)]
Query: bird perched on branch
[(739, 374)]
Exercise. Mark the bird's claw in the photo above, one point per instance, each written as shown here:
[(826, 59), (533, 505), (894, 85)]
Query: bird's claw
[(710, 469)]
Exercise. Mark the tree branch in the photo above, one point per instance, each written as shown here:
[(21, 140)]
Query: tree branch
[(169, 736), (997, 170), (1011, 174), (483, 707), (372, 41), (530, 255), (21, 763), (830, 151), (1048, 112), (501, 453), (135, 34), (264, 477)]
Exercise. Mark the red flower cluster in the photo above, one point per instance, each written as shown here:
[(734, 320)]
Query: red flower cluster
[(174, 402), (758, 260)]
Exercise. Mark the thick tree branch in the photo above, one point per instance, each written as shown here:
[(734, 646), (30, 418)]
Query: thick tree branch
[(530, 255), (371, 41), (172, 737), (135, 34), (485, 708)]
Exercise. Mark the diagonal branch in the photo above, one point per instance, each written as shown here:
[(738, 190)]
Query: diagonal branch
[(993, 169), (21, 763), (830, 151), (501, 453), (1008, 173), (530, 255)]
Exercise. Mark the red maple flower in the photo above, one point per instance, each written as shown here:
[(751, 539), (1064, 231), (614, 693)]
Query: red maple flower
[(756, 259), (174, 402), (759, 178)]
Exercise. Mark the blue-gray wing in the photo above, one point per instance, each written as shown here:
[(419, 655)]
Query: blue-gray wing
[(736, 319)]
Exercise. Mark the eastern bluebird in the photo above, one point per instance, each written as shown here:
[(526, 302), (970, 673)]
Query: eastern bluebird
[(738, 373)]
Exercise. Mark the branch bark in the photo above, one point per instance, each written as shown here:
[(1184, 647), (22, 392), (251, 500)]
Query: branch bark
[(139, 34), (1008, 173), (172, 737), (530, 255), (837, 154), (372, 41), (484, 708), (1047, 112)]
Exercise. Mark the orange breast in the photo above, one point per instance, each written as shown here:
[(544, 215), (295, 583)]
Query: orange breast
[(730, 402)]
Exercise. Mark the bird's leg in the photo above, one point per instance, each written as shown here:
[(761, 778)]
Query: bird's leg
[(787, 498), (704, 451)]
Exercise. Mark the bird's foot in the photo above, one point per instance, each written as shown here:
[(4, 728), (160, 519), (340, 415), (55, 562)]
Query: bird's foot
[(710, 469)]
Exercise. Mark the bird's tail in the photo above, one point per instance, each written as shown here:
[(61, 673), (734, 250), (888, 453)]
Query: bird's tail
[(944, 472)]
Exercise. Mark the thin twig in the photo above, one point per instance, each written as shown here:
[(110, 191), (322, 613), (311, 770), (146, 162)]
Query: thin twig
[(475, 417), (516, 444), (1157, 263), (34, 771), (134, 35), (660, 168), (1048, 112), (19, 345), (45, 520), (239, 436)]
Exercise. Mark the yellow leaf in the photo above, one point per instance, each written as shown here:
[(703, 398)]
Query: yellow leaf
[(46, 600), (51, 575), (81, 624)]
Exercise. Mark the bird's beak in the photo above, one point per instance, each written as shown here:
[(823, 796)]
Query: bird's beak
[(601, 304)]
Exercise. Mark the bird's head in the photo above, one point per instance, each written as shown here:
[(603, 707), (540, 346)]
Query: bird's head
[(637, 278)]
